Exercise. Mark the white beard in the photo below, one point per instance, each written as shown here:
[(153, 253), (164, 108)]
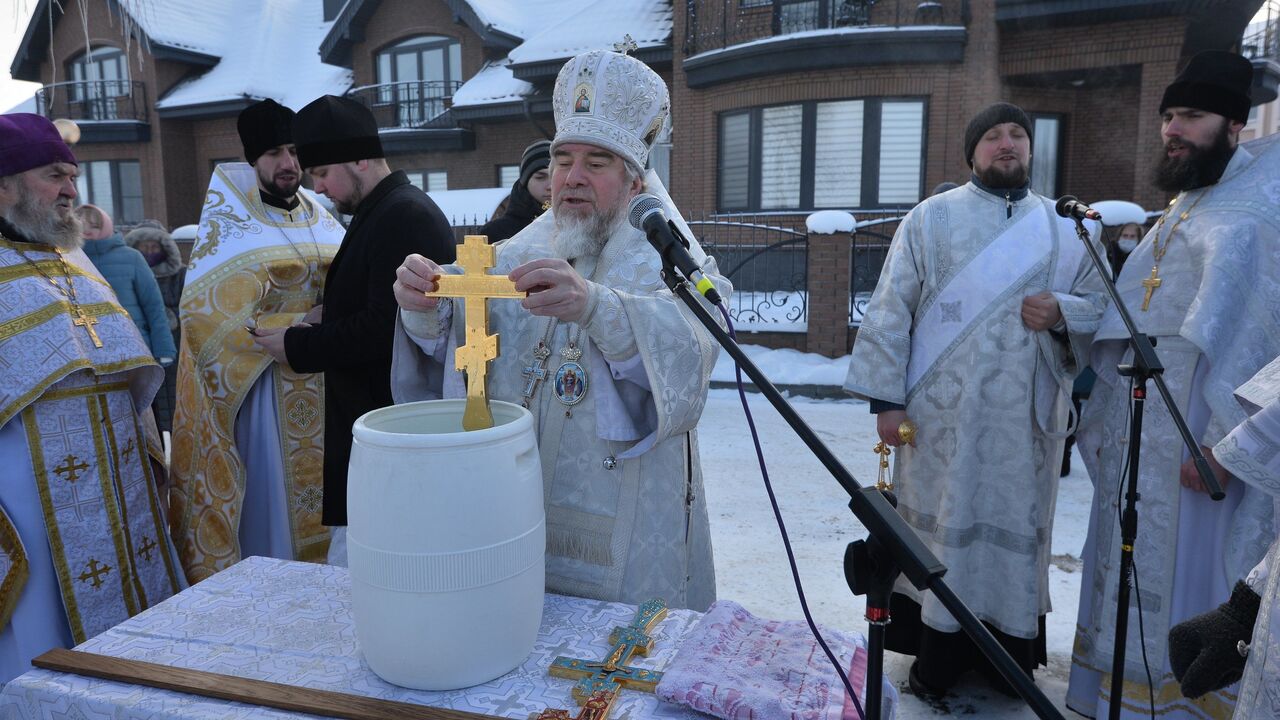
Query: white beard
[(43, 225), (576, 237)]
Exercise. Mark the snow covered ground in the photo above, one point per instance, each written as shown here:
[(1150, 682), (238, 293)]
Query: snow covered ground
[(751, 565)]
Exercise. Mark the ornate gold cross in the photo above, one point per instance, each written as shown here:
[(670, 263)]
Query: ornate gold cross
[(1150, 284), (476, 286), (613, 674), (87, 322), (597, 707)]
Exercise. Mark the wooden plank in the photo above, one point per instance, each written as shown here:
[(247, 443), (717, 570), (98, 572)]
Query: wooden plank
[(243, 690)]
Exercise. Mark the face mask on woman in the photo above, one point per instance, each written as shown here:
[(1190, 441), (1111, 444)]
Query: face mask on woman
[(154, 258), (1127, 245)]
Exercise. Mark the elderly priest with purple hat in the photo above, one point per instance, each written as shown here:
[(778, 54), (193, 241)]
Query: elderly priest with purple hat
[(82, 539)]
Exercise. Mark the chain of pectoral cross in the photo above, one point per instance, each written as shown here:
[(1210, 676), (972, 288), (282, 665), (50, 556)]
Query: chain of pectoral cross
[(82, 319), (1158, 248), (536, 371)]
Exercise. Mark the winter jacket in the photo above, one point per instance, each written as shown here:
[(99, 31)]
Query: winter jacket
[(135, 286), (522, 208)]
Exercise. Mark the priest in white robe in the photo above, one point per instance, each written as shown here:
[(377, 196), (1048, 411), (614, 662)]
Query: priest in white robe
[(975, 332), (83, 543), (626, 512), (1242, 636), (248, 432), (1203, 285)]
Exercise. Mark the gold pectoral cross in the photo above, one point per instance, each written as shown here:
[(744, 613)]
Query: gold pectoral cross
[(476, 286), (1150, 284), (87, 322)]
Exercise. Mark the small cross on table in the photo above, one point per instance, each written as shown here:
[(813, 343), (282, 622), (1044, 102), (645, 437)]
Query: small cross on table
[(600, 682), (1150, 284), (476, 286), (87, 322)]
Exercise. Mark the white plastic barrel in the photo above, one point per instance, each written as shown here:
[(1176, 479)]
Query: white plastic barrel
[(445, 542)]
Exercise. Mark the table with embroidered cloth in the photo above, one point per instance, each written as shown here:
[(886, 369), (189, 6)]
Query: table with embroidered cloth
[(290, 623)]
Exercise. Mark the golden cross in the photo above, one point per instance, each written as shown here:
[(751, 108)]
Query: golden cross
[(476, 287), (597, 707), (626, 46), (1150, 284), (85, 321), (613, 675), (94, 572)]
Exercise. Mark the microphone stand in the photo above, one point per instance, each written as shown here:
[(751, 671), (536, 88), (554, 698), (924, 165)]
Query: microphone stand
[(893, 547), (1146, 366)]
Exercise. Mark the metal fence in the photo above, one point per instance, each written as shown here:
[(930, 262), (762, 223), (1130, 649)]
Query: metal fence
[(768, 263), (713, 25), (93, 100), (413, 104)]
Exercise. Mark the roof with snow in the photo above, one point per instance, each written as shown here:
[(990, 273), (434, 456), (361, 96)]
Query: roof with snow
[(267, 50), (596, 26), (493, 85), (534, 47), (253, 49)]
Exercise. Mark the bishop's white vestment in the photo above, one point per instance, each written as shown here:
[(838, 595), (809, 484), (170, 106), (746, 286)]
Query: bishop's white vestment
[(626, 512)]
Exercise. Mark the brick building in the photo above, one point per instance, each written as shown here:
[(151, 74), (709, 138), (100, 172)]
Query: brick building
[(780, 107)]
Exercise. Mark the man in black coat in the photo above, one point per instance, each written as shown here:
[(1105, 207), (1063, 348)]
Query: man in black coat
[(530, 196), (337, 141)]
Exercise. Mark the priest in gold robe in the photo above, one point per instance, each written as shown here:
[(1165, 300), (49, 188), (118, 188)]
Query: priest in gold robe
[(248, 432), (83, 545)]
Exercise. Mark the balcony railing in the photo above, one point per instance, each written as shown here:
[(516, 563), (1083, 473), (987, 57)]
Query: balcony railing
[(712, 25), (120, 100), (1262, 41), (415, 104)]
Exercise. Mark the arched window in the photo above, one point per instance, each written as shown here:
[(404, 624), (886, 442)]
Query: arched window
[(98, 77), (417, 75)]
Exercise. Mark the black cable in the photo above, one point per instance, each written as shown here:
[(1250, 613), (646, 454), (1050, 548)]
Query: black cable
[(782, 527)]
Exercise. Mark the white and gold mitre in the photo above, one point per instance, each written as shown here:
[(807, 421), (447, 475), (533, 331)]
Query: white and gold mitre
[(611, 100)]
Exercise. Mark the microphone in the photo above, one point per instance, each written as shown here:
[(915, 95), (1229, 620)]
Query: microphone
[(645, 213), (1070, 207)]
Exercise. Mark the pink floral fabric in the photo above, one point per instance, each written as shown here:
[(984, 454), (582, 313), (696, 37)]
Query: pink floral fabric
[(736, 666)]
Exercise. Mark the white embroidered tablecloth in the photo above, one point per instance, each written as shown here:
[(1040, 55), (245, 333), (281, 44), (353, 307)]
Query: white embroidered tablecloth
[(290, 623)]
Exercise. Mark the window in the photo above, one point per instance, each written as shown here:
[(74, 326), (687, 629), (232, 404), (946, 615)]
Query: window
[(1046, 151), (98, 78), (113, 185), (835, 154), (660, 155), (507, 175), (417, 75), (429, 180)]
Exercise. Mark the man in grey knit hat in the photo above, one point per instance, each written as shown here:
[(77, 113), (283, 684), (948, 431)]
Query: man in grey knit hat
[(975, 332)]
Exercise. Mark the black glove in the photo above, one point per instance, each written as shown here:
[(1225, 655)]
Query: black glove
[(1203, 650)]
